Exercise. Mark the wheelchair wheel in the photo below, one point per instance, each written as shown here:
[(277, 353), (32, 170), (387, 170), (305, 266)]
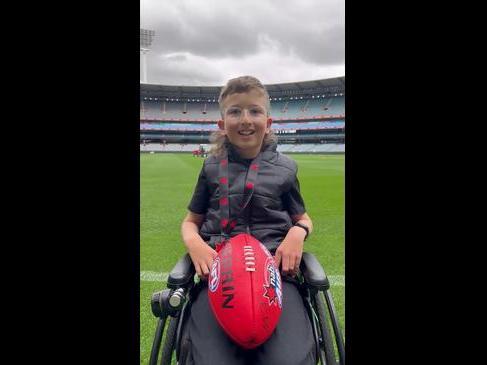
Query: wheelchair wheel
[(169, 342), (326, 341)]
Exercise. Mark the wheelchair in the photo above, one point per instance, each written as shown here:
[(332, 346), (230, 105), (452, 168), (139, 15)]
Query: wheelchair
[(175, 302)]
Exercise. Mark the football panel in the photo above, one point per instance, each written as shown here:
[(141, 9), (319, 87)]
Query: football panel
[(245, 302)]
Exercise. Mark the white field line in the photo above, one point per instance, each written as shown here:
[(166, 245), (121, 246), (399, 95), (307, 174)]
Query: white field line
[(153, 276), (335, 280)]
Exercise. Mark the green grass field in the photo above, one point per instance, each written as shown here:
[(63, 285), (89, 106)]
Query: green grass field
[(166, 187)]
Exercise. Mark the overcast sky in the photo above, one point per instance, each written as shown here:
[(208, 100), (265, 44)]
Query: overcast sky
[(207, 42)]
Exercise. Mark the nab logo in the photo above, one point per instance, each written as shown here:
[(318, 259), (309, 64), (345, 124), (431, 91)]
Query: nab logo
[(214, 275)]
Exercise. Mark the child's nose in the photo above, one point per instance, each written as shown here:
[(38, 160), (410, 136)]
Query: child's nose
[(245, 116)]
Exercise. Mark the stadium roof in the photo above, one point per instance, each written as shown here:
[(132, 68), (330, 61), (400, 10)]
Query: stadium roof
[(304, 88)]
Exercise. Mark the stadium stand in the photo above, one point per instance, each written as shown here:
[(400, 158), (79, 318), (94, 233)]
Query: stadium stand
[(284, 148), (213, 127), (308, 108), (311, 148), (308, 116), (204, 111), (173, 110)]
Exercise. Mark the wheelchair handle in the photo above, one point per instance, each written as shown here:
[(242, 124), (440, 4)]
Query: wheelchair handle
[(313, 272), (182, 274)]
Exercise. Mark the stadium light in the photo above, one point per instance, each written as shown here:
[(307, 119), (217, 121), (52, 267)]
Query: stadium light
[(145, 43), (146, 37)]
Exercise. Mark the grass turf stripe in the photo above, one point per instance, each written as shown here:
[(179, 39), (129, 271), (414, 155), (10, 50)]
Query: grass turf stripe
[(335, 280)]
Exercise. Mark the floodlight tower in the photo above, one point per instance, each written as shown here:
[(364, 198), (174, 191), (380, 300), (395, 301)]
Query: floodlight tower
[(145, 43)]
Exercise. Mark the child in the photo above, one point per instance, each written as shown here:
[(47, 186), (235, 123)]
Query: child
[(275, 215)]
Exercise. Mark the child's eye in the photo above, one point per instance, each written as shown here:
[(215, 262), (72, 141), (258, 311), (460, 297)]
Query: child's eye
[(233, 111), (256, 111)]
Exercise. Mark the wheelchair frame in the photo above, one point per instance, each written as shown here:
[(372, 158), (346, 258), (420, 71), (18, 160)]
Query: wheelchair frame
[(174, 302)]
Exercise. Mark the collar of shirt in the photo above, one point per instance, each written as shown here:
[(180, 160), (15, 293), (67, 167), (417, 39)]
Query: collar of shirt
[(268, 151)]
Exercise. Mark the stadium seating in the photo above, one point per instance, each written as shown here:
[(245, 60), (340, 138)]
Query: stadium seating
[(168, 110), (212, 127), (318, 119), (284, 148), (311, 148), (280, 110), (169, 147)]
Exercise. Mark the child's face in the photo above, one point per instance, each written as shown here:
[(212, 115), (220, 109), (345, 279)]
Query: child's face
[(245, 121)]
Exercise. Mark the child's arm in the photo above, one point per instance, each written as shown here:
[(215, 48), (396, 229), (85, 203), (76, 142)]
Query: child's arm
[(201, 253), (290, 250)]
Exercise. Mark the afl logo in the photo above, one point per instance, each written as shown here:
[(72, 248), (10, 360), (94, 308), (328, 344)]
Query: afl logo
[(272, 285), (214, 275)]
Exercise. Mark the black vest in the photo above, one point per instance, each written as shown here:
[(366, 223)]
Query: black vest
[(266, 217)]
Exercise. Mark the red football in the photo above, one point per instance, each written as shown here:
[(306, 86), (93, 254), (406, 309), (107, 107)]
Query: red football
[(245, 291)]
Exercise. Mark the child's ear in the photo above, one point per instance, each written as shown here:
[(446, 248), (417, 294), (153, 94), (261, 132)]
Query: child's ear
[(269, 123), (221, 125)]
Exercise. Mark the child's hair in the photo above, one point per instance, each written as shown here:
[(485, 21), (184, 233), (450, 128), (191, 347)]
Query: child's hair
[(237, 85)]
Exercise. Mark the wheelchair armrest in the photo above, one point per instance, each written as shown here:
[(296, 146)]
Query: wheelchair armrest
[(182, 273), (313, 272)]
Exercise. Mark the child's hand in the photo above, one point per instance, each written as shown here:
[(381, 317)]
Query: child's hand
[(202, 256), (290, 251)]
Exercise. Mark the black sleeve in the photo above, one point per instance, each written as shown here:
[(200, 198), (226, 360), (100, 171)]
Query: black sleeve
[(199, 201), (292, 199)]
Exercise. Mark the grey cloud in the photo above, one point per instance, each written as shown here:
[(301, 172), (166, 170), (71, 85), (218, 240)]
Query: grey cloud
[(223, 35), (228, 31), (174, 70), (312, 30), (177, 57), (211, 41), (324, 48)]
